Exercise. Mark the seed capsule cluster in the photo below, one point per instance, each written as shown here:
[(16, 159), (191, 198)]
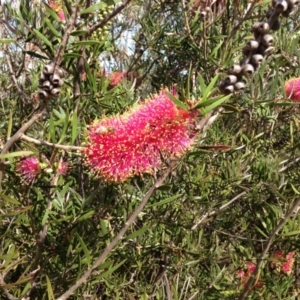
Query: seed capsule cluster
[(258, 48), (50, 81), (101, 33)]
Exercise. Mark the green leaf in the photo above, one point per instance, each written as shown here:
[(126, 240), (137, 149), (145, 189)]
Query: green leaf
[(9, 126), (110, 271), (176, 101), (165, 201), (295, 232), (34, 54), (202, 84), (52, 129), (86, 215), (9, 199), (52, 13), (17, 211), (214, 105), (210, 87), (7, 41), (16, 154), (87, 43), (85, 250), (79, 32), (43, 38), (45, 217), (49, 289), (74, 127), (137, 233), (94, 8), (295, 190), (51, 27)]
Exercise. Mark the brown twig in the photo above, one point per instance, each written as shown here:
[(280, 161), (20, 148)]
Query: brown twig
[(52, 145), (119, 236), (17, 136), (221, 208), (253, 276), (13, 76), (61, 50)]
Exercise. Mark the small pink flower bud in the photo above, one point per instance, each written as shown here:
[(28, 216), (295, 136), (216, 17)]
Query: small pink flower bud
[(29, 168), (292, 89)]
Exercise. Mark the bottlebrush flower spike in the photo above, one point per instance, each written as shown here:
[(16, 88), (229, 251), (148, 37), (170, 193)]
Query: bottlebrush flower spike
[(245, 275), (138, 141), (286, 263), (292, 89), (29, 168)]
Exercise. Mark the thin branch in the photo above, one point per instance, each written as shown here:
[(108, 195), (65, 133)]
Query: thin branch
[(119, 236), (253, 277), (8, 295), (233, 235), (17, 136), (187, 22), (60, 52), (214, 212), (294, 161), (44, 143), (13, 76)]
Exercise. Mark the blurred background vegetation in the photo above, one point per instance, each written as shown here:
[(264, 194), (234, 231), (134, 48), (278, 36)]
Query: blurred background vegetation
[(217, 209)]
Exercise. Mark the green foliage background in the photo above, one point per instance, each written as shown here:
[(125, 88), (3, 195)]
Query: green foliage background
[(216, 210)]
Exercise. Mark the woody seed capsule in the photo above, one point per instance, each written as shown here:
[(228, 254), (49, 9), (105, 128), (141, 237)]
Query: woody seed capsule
[(230, 79), (48, 69), (267, 40), (264, 50), (248, 70), (292, 3), (235, 70), (55, 78), (55, 92), (47, 86), (257, 59), (252, 44), (281, 6), (240, 85), (261, 28), (229, 89), (288, 12), (43, 95)]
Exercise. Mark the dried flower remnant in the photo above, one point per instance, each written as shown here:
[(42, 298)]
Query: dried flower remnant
[(29, 168), (292, 89), (137, 142), (286, 262)]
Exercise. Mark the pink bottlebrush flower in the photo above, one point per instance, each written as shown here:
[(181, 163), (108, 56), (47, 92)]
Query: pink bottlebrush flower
[(116, 78), (286, 262), (61, 15), (245, 275), (57, 7), (292, 89), (62, 168), (29, 168), (136, 142)]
